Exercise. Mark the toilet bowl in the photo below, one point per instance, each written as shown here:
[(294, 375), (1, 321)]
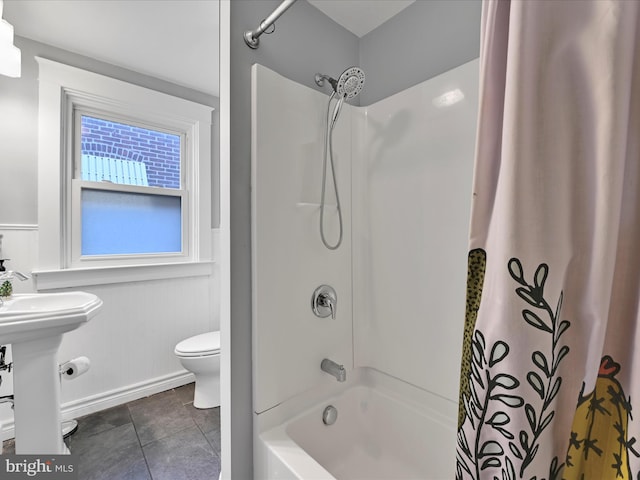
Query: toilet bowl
[(201, 356)]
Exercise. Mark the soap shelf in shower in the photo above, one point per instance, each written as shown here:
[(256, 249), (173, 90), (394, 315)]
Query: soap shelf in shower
[(315, 205)]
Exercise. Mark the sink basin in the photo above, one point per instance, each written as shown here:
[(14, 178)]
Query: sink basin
[(33, 324), (30, 316)]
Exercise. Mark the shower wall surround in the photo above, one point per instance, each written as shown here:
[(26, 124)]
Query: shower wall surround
[(412, 172), (404, 167), (289, 260)]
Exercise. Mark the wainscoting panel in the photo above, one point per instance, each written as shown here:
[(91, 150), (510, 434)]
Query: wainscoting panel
[(130, 342)]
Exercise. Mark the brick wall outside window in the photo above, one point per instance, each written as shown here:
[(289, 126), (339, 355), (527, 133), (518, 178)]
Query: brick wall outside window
[(159, 151)]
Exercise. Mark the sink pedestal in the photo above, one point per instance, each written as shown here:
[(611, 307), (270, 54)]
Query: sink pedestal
[(34, 324), (36, 391)]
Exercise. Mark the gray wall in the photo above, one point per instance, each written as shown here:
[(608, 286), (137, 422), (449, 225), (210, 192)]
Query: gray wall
[(19, 126), (305, 42), (424, 40)]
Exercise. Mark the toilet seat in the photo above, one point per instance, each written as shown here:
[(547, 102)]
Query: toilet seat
[(199, 346)]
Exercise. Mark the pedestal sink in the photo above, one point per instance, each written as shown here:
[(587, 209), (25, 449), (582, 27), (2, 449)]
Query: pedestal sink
[(33, 324)]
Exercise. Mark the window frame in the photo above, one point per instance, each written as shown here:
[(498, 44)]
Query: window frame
[(77, 260), (65, 93)]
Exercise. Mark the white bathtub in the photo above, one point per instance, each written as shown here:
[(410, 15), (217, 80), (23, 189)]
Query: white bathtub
[(385, 429)]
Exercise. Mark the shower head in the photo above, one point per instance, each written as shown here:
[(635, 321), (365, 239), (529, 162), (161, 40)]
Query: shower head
[(348, 85)]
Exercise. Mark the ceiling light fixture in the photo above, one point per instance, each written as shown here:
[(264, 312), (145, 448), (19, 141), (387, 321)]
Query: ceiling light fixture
[(10, 55)]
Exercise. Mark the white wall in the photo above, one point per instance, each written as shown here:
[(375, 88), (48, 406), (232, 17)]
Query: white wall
[(130, 343), (411, 199), (288, 258)]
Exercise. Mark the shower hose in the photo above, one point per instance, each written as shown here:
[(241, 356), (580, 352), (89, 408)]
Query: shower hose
[(328, 149)]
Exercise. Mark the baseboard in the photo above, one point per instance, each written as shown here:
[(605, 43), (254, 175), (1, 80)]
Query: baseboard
[(102, 401)]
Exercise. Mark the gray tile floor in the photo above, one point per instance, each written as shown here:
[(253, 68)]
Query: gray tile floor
[(161, 437)]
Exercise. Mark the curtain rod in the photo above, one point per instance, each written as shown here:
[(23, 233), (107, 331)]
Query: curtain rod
[(252, 37)]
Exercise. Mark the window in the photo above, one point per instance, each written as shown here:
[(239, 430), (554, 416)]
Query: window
[(134, 170), (130, 190)]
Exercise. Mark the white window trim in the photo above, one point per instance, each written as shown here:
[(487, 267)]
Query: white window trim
[(61, 89), (71, 278)]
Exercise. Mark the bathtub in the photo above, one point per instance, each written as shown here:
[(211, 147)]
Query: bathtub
[(385, 429)]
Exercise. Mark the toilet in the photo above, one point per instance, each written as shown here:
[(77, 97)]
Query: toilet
[(201, 356)]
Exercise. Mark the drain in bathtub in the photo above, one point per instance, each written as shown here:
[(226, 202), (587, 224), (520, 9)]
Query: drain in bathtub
[(330, 415)]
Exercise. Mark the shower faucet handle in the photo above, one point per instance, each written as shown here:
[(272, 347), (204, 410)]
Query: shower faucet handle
[(331, 307), (324, 302)]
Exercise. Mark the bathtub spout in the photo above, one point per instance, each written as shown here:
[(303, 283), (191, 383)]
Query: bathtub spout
[(332, 368)]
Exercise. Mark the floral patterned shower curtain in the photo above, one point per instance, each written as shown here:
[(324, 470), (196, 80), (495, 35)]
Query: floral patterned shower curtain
[(550, 372)]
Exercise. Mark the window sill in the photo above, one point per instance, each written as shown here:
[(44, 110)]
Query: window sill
[(83, 277)]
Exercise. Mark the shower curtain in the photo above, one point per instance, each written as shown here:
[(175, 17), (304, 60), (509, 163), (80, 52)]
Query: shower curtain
[(550, 371)]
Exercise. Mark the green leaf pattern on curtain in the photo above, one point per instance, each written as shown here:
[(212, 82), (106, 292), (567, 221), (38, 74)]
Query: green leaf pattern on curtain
[(492, 400)]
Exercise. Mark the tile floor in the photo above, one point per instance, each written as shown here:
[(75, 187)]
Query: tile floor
[(161, 437)]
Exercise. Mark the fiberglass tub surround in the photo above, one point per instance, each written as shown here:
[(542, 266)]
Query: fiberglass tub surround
[(289, 260), (403, 169)]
